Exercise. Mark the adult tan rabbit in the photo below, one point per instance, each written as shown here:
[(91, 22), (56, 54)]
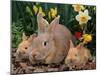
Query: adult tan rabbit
[(52, 42), (21, 52), (77, 56)]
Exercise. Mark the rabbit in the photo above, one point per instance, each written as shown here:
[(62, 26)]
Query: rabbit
[(77, 56), (52, 42), (21, 52)]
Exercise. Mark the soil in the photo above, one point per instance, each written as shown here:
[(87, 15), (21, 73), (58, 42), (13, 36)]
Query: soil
[(24, 67)]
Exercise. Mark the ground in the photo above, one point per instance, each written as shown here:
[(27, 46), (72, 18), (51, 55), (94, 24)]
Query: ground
[(19, 67)]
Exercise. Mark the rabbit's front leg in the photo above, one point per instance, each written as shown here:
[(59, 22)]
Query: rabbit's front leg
[(50, 57)]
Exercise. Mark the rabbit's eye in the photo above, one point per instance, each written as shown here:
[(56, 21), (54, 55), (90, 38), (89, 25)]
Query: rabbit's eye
[(45, 43), (25, 47), (76, 55)]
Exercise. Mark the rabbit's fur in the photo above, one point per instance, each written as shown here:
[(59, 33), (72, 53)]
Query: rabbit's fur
[(77, 56), (52, 43), (21, 52)]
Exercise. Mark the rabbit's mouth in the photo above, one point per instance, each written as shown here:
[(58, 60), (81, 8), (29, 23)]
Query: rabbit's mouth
[(21, 56), (35, 61), (36, 58), (71, 62), (39, 59)]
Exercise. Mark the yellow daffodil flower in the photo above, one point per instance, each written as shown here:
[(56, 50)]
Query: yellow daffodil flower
[(41, 11), (78, 7), (35, 8), (38, 10), (86, 38), (53, 12), (83, 17)]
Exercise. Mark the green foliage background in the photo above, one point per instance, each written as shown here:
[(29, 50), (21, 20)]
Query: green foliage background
[(24, 20)]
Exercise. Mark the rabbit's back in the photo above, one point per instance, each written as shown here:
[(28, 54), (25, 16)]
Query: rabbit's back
[(62, 35), (85, 55)]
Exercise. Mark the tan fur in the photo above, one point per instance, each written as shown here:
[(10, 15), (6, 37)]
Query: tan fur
[(21, 52), (56, 37), (77, 56)]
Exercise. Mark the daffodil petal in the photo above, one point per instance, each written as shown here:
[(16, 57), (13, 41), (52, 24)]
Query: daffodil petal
[(80, 12), (86, 12), (80, 22), (82, 7), (73, 5), (35, 9), (77, 17), (89, 18)]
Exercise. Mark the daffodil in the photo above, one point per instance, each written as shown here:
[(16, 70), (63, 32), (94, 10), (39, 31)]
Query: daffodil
[(38, 10), (41, 11), (83, 17), (53, 12), (78, 7), (35, 8), (86, 38)]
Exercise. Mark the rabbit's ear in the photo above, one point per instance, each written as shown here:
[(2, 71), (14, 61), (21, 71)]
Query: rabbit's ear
[(71, 44), (24, 37), (79, 46), (31, 37), (42, 23), (55, 21)]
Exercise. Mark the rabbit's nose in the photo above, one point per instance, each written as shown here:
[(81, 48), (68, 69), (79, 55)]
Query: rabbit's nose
[(20, 52), (33, 52), (71, 61), (34, 55)]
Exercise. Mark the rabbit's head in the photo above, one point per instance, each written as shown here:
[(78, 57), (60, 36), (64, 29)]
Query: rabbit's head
[(21, 52), (44, 43), (73, 56)]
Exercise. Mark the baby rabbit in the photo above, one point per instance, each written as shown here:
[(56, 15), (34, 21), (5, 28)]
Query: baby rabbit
[(21, 52), (77, 56), (52, 42)]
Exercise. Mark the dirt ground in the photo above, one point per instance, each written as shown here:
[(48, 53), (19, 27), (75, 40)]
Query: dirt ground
[(25, 67)]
